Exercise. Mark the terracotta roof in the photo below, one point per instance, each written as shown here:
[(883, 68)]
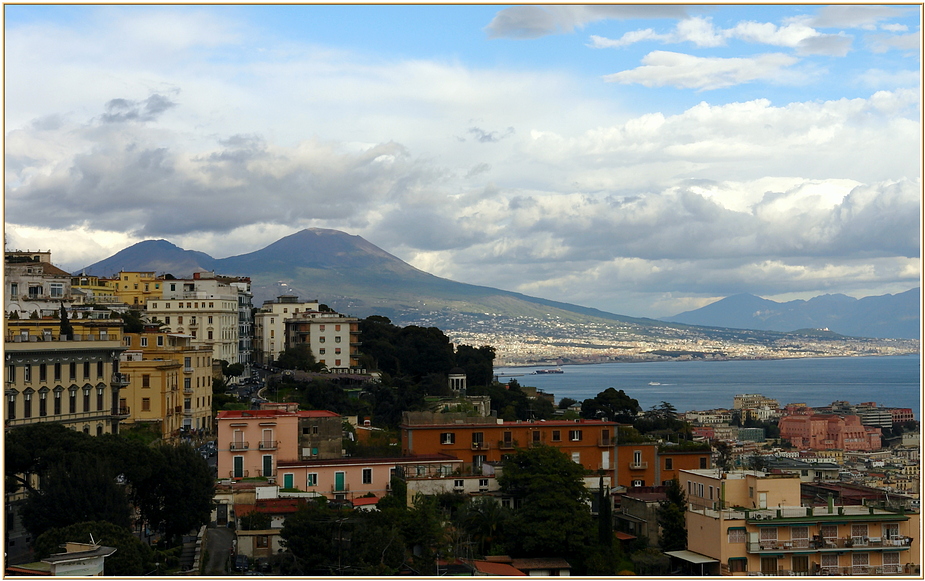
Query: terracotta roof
[(540, 563), (498, 569), (365, 501), (244, 414), (621, 536)]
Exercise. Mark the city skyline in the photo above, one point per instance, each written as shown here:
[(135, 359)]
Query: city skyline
[(644, 160)]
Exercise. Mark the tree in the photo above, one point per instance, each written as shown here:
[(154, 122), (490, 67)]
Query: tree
[(80, 488), (671, 520), (255, 521), (485, 520), (132, 557), (299, 358), (134, 322), (611, 404), (723, 455), (553, 517), (478, 363), (65, 328), (566, 402)]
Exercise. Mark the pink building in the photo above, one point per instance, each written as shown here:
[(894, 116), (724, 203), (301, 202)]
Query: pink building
[(810, 431)]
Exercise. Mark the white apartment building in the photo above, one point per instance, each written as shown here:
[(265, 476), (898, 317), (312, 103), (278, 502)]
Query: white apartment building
[(270, 326), (32, 284), (205, 308)]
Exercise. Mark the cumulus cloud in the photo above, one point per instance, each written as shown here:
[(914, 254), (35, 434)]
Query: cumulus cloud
[(537, 21), (663, 68)]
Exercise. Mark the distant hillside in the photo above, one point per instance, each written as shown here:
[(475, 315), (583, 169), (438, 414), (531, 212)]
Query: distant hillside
[(351, 276), (888, 316)]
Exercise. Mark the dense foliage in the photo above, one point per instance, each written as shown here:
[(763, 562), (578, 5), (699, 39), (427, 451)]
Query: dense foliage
[(99, 478)]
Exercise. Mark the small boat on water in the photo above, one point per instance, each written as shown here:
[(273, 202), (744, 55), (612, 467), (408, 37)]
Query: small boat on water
[(654, 383), (547, 371)]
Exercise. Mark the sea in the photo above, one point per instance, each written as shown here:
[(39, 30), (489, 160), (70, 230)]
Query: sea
[(893, 381)]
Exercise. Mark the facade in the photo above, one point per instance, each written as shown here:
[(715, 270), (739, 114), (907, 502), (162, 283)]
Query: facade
[(478, 440), (753, 523), (136, 288), (74, 382), (811, 431), (270, 327), (32, 284), (205, 308), (333, 338), (245, 320), (170, 382)]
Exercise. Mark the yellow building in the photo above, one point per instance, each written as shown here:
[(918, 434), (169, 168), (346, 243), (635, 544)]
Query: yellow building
[(137, 288), (94, 290), (75, 382), (742, 523), (170, 382)]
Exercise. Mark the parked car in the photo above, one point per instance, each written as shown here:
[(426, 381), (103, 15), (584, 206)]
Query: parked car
[(241, 563), (263, 565)]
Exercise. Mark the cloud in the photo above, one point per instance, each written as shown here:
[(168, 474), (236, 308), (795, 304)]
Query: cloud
[(483, 136), (701, 33), (123, 110), (854, 15), (662, 68), (536, 21), (881, 43)]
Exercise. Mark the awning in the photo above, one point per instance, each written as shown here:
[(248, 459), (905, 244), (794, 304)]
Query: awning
[(691, 557)]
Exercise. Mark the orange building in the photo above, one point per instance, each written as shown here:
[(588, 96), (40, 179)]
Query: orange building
[(476, 440), (654, 464)]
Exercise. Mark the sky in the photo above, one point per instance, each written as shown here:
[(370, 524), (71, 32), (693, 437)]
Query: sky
[(641, 159)]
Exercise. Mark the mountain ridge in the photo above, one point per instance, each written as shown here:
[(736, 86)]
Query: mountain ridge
[(356, 277), (883, 316)]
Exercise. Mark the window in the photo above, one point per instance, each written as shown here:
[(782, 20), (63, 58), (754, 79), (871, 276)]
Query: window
[(337, 339), (556, 435), (458, 484), (144, 341), (167, 320), (478, 438), (11, 373), (14, 289), (535, 436), (27, 404), (736, 535), (145, 380), (27, 372), (574, 435), (668, 464), (703, 463), (367, 476), (262, 541), (321, 351), (210, 334), (86, 370), (57, 402), (637, 457), (447, 438), (638, 483), (311, 479), (477, 461), (187, 383), (72, 401), (99, 370), (11, 407), (57, 372), (576, 457), (86, 399), (43, 372), (57, 290), (483, 484), (738, 565), (160, 340), (99, 398), (146, 404), (43, 402)]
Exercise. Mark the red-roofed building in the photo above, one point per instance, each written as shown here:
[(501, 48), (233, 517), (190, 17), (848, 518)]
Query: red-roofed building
[(494, 569), (811, 431), (252, 443)]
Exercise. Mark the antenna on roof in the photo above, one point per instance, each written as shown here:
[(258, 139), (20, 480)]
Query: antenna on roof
[(92, 542)]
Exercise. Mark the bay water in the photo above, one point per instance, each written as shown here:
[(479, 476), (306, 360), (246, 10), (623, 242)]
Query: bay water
[(701, 385)]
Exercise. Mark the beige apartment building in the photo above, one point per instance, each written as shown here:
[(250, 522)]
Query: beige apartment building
[(135, 289), (170, 382), (752, 523), (32, 284), (205, 308), (333, 338), (270, 326)]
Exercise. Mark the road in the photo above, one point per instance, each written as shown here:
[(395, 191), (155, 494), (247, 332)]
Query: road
[(216, 550)]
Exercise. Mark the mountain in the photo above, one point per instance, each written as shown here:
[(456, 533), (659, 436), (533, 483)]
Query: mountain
[(887, 316), (351, 276)]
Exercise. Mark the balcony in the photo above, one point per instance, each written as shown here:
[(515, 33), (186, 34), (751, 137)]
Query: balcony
[(507, 445), (241, 474), (605, 442), (828, 544), (119, 380), (188, 390), (868, 570), (122, 412), (639, 465), (238, 446), (342, 488), (481, 445), (268, 444), (188, 412), (188, 370)]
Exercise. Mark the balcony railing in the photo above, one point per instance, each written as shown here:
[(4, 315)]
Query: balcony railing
[(187, 390), (268, 444), (507, 445), (342, 488), (831, 543), (188, 370), (869, 570), (238, 446), (240, 474), (481, 445), (119, 380), (638, 465), (604, 442)]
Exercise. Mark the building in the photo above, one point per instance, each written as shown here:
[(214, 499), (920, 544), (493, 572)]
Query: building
[(77, 560), (270, 328), (32, 284), (206, 308), (748, 523), (136, 288), (75, 382), (477, 440), (812, 431), (333, 338), (170, 382)]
